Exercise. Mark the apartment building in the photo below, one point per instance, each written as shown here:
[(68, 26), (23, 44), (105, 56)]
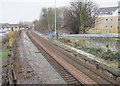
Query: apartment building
[(108, 18)]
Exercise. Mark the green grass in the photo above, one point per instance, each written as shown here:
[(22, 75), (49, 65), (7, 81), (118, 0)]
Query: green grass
[(4, 54), (114, 64)]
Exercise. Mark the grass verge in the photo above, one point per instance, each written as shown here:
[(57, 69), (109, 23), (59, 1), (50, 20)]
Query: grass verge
[(4, 54)]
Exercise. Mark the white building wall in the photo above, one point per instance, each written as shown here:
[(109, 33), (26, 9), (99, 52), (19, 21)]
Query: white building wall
[(107, 22), (115, 13)]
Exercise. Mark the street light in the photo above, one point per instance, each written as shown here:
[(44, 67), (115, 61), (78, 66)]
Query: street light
[(55, 19)]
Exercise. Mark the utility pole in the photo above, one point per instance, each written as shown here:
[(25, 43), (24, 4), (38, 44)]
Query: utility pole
[(55, 18)]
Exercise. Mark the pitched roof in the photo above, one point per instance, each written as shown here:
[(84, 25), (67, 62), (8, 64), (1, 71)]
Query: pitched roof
[(106, 10)]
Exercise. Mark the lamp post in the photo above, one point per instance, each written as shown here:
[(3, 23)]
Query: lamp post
[(55, 17)]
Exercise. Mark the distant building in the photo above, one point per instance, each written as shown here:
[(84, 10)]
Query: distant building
[(119, 15), (108, 18), (9, 26), (25, 24)]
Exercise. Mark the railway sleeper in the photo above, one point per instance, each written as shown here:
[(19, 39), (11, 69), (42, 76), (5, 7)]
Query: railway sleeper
[(65, 73), (73, 82), (70, 78), (61, 68)]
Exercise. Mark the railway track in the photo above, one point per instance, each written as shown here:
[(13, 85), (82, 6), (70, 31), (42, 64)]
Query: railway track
[(70, 79), (72, 70)]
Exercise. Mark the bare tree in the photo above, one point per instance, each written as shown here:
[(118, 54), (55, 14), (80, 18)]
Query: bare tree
[(46, 22), (69, 21), (79, 18), (85, 14)]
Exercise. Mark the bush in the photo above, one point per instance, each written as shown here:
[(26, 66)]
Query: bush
[(76, 44), (116, 56), (110, 56)]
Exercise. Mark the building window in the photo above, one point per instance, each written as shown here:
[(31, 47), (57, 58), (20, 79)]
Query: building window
[(118, 27), (106, 26), (111, 26), (118, 19), (106, 19), (106, 12), (111, 19)]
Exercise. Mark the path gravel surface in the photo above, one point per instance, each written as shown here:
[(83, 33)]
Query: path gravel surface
[(33, 67)]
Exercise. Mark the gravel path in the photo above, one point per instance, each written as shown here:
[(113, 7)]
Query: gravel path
[(33, 67)]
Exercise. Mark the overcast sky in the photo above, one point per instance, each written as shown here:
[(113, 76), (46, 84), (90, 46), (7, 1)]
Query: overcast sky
[(13, 11)]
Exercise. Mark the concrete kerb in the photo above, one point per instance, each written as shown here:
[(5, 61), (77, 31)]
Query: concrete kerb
[(100, 63)]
